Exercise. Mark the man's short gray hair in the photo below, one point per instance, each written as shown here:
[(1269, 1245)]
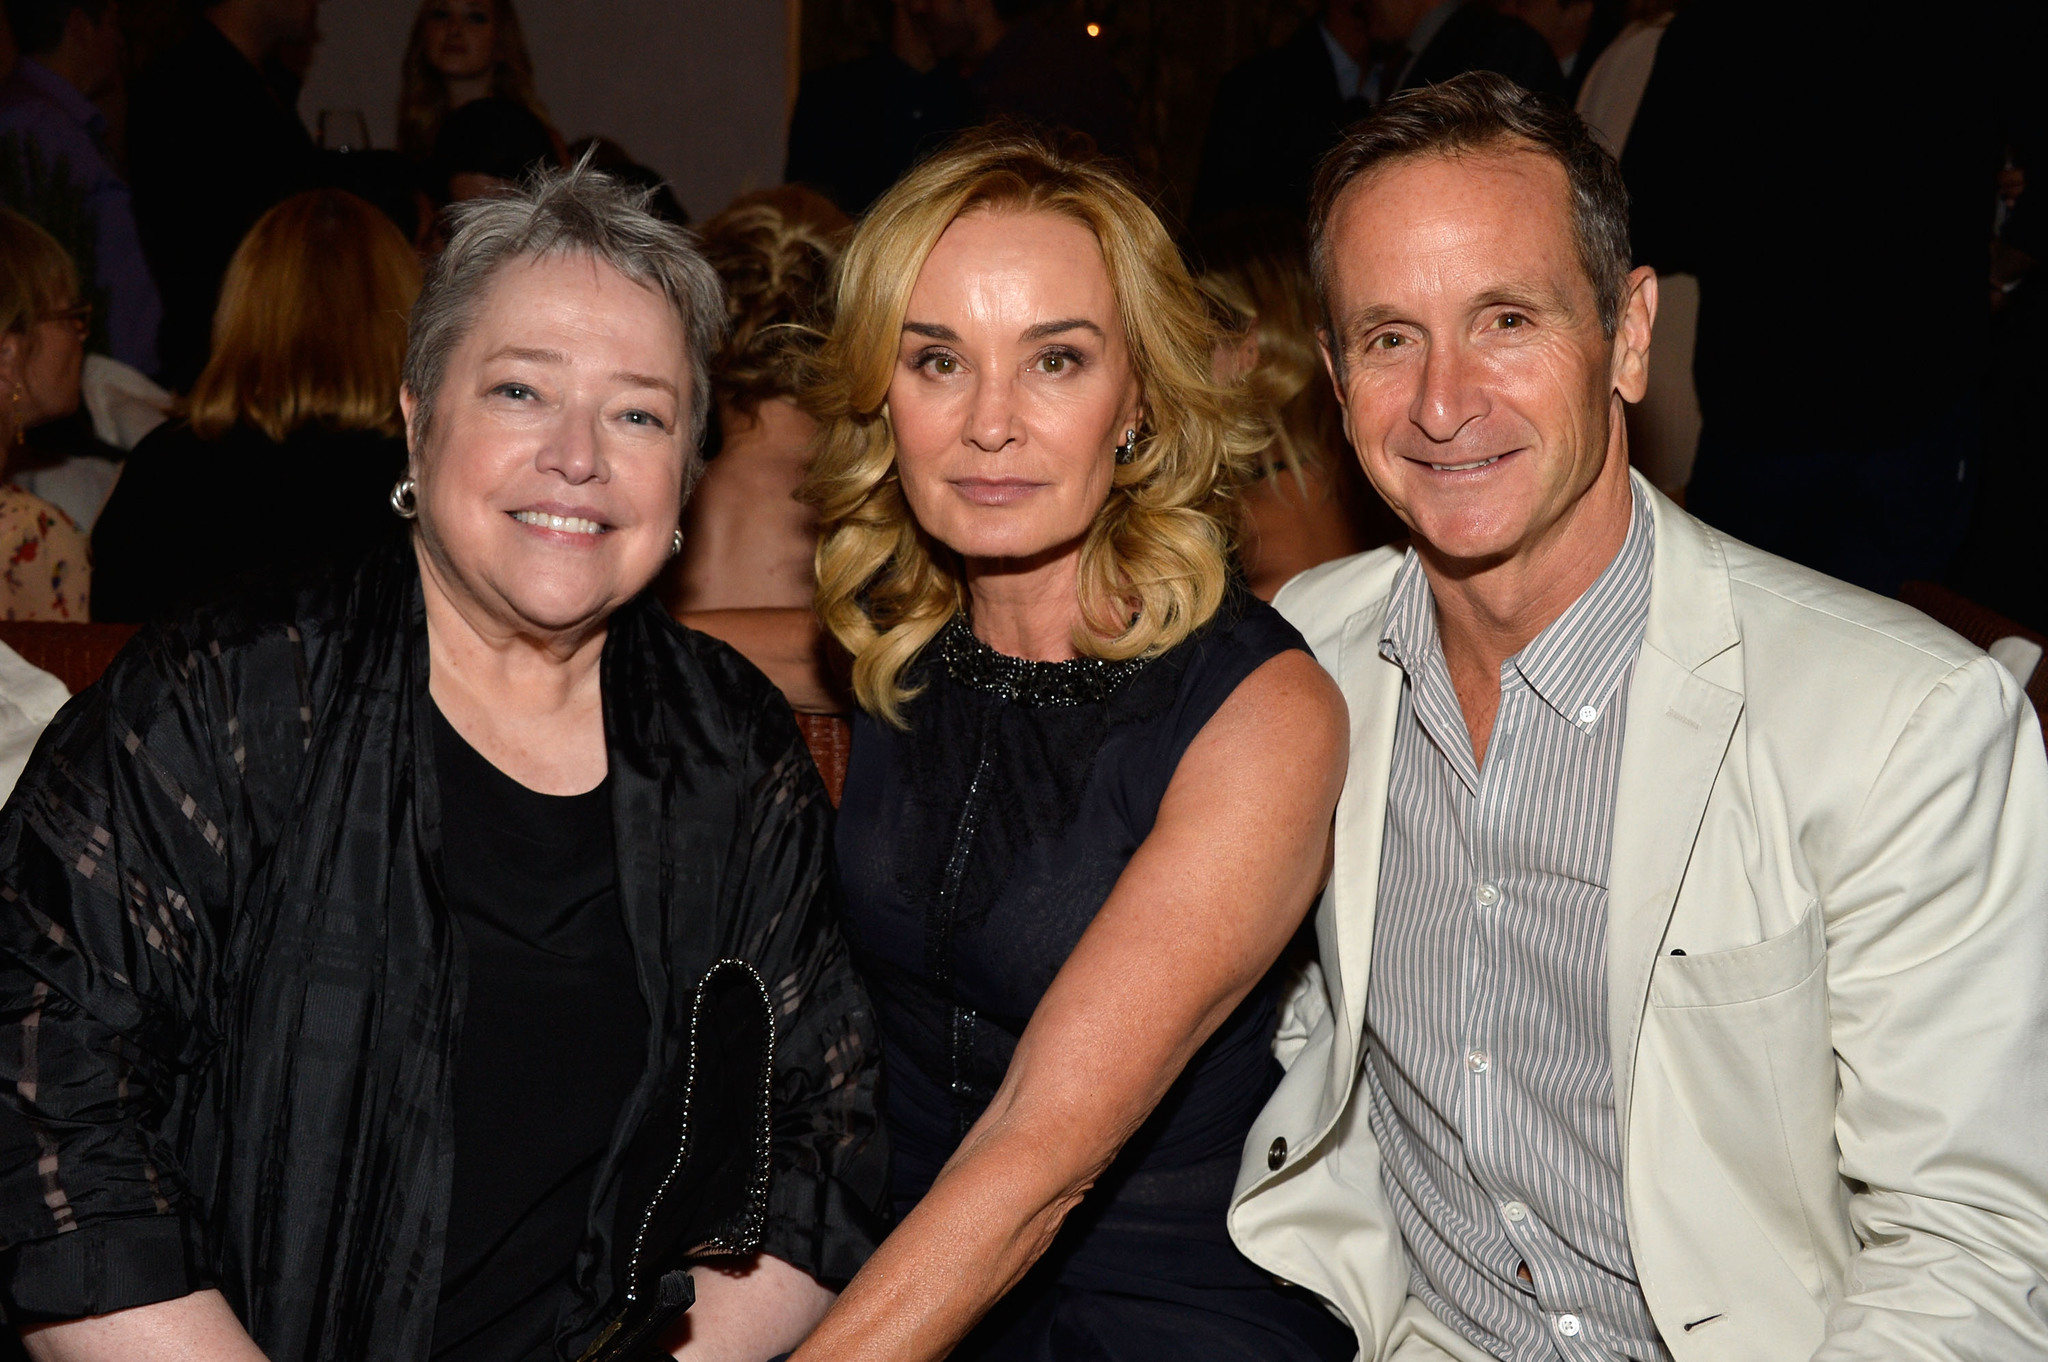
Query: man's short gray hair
[(1474, 113), (579, 211)]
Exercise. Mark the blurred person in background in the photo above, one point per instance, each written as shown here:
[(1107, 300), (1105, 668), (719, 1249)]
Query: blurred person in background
[(1091, 782), (746, 571), (1577, 31), (860, 124), (486, 147), (1663, 428), (72, 52), (441, 963), (214, 142), (1876, 212), (1276, 114), (615, 161), (291, 437), (45, 571), (461, 51), (1310, 502)]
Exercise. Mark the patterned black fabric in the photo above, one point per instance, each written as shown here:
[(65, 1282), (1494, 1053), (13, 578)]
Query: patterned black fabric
[(230, 993)]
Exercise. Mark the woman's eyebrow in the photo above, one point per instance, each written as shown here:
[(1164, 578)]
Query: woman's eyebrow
[(931, 331), (654, 381), (1045, 329)]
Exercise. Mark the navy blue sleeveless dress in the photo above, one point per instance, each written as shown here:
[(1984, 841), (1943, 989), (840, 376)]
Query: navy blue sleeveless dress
[(974, 849)]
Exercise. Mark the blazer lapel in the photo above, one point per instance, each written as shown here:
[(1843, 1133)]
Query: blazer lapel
[(1372, 692), (1679, 727)]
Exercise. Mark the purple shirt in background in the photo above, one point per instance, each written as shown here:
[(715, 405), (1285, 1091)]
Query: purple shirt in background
[(46, 110)]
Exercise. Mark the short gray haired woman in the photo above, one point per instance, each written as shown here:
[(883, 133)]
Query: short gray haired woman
[(438, 963)]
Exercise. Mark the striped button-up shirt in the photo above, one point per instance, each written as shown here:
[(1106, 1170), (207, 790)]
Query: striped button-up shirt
[(1487, 1048)]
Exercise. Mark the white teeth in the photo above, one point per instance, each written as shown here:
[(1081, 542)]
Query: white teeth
[(1464, 467), (568, 524)]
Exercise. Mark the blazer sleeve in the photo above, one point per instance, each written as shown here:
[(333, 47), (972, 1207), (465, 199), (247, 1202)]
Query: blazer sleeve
[(829, 1158), (1938, 991), (115, 853)]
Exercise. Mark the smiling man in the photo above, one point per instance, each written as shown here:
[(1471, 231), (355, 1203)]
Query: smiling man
[(1683, 960)]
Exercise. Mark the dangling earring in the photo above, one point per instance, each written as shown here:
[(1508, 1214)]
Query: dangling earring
[(675, 544), (20, 430), (403, 499), (1128, 450)]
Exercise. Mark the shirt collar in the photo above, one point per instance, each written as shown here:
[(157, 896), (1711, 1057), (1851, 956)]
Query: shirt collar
[(1578, 661), (1350, 75), (1576, 664), (62, 93)]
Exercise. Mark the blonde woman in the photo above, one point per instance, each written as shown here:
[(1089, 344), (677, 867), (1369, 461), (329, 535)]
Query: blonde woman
[(461, 51), (1311, 502), (45, 571), (1091, 786), (292, 436), (745, 573)]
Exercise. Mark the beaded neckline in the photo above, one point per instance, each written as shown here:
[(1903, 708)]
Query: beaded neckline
[(1044, 685)]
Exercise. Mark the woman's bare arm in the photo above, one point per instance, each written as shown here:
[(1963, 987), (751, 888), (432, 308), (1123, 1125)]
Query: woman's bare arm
[(195, 1328), (1204, 907), (748, 1310)]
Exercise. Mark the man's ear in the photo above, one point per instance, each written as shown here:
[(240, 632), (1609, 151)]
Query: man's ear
[(1333, 363), (1632, 335)]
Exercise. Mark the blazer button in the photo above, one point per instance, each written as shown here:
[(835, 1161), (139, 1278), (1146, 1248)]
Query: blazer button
[(1276, 1154)]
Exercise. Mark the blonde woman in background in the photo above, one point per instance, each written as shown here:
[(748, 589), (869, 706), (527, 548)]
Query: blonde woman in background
[(45, 570), (1310, 502), (461, 51), (745, 573), (1091, 784), (292, 435)]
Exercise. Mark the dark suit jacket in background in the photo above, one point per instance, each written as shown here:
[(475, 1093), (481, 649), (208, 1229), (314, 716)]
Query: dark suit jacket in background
[(1478, 38), (212, 146), (1277, 114)]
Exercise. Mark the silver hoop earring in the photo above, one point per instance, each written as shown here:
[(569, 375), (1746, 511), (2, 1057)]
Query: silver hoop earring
[(403, 499), (675, 544), (1128, 450)]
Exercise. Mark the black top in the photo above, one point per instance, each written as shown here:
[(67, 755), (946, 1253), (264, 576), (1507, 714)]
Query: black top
[(975, 847), (222, 895), (212, 144), (554, 1036), (195, 521)]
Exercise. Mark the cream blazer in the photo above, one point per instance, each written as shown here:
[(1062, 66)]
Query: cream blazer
[(1834, 1103)]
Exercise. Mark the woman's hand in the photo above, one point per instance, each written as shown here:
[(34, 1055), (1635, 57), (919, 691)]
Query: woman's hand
[(1211, 897), (747, 1310)]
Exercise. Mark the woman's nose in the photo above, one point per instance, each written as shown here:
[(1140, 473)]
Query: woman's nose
[(572, 450), (992, 421)]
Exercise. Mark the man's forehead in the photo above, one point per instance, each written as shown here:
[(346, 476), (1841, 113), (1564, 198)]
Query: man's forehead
[(1465, 217)]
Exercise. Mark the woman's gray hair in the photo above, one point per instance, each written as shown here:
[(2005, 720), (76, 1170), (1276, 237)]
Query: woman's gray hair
[(578, 211)]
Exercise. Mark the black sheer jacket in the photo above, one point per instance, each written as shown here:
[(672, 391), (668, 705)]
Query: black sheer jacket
[(230, 992)]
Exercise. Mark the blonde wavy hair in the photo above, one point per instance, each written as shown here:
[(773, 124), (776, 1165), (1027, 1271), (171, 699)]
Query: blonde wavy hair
[(1256, 268), (1156, 562), (774, 250)]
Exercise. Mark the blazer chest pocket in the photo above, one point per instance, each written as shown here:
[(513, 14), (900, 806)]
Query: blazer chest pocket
[(1747, 973)]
